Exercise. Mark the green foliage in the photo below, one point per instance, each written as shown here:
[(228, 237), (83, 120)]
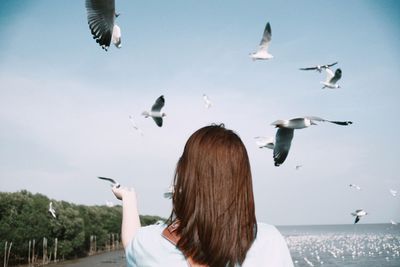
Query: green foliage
[(24, 216), (148, 219)]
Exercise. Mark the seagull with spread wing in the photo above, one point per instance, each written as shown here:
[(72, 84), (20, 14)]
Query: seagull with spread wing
[(358, 214), (393, 192), (155, 112), (101, 19), (262, 51), (355, 186), (319, 68), (332, 78), (284, 135), (207, 101), (112, 181)]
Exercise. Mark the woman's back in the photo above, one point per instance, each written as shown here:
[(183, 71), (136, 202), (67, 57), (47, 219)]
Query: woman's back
[(149, 248)]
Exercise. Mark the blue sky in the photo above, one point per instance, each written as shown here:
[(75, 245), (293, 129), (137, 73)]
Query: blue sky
[(64, 102)]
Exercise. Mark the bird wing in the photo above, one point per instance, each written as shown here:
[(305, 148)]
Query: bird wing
[(101, 16), (283, 140), (116, 36), (314, 118), (330, 65), (266, 37), (336, 77), (357, 219), (329, 75), (262, 141), (343, 123), (158, 120), (310, 68), (108, 179), (157, 106)]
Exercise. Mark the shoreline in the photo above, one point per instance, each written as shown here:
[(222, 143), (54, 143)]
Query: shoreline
[(104, 258)]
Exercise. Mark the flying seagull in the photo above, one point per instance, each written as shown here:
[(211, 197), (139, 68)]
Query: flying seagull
[(355, 186), (332, 78), (207, 101), (155, 112), (112, 181), (52, 210), (101, 19), (284, 135), (262, 51), (393, 192), (263, 141), (319, 68), (135, 126), (359, 214)]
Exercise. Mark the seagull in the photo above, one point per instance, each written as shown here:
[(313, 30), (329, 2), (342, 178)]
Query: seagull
[(284, 135), (332, 78), (359, 214), (52, 210), (262, 51), (355, 186), (308, 262), (112, 181), (155, 112), (135, 126), (263, 141), (170, 192), (207, 101), (393, 222), (319, 68), (101, 19), (393, 192)]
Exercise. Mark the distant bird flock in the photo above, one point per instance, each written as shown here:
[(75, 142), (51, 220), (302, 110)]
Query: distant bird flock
[(101, 17)]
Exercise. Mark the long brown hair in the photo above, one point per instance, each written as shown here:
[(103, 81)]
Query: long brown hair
[(213, 198)]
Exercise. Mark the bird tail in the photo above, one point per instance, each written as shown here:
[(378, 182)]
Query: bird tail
[(146, 114)]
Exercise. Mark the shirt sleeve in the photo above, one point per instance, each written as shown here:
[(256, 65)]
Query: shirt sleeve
[(286, 258), (129, 254), (270, 249)]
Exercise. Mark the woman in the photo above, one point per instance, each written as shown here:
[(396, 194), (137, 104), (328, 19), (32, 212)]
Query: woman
[(213, 220)]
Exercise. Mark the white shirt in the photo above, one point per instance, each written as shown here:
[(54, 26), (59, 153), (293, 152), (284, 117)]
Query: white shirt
[(149, 248)]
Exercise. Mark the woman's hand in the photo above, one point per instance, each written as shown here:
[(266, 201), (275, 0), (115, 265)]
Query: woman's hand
[(122, 192)]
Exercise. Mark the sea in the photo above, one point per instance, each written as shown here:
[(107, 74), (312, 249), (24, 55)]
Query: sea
[(361, 245)]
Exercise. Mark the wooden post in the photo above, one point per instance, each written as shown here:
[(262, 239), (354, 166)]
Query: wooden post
[(5, 254), (33, 253), (91, 245), (9, 250), (44, 259), (55, 249), (29, 253)]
